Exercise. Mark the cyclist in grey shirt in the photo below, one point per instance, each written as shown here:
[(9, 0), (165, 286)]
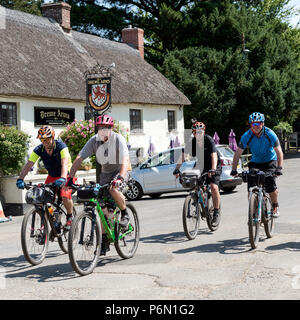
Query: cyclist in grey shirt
[(112, 154)]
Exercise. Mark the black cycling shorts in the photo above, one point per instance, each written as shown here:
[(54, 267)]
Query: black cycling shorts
[(269, 168)]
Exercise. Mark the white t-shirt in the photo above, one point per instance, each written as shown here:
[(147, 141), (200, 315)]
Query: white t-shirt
[(110, 154)]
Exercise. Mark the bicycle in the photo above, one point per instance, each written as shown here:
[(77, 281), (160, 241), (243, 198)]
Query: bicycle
[(260, 206), (197, 204), (85, 236), (48, 207)]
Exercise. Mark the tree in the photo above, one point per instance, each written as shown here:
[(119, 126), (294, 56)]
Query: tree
[(224, 85), (32, 6)]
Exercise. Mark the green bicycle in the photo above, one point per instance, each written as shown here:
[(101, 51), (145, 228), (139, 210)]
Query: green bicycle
[(85, 236)]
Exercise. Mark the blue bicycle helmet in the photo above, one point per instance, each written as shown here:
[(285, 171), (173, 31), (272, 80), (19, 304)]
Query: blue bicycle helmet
[(256, 117)]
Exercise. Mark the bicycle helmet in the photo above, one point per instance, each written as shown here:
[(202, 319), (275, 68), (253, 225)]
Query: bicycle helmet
[(256, 117), (198, 125), (105, 120), (45, 131)]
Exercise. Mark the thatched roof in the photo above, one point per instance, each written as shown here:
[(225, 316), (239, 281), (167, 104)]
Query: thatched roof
[(38, 59)]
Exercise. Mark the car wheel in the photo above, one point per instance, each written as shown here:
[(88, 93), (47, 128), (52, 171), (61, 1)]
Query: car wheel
[(134, 192), (228, 189)]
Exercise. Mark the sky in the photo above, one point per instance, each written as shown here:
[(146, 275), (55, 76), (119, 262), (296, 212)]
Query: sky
[(296, 18)]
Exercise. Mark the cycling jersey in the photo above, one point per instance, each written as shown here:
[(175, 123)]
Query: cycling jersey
[(262, 148), (52, 162), (109, 154)]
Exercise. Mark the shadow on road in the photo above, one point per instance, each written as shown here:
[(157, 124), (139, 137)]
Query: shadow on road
[(174, 237), (233, 246), (18, 267), (290, 246)]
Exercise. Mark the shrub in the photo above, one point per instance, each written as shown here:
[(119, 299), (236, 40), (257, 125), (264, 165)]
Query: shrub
[(284, 129), (14, 146)]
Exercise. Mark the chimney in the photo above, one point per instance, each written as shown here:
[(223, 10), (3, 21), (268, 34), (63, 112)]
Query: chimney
[(134, 37), (60, 12)]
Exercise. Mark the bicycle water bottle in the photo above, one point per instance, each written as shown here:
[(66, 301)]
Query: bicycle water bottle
[(50, 209)]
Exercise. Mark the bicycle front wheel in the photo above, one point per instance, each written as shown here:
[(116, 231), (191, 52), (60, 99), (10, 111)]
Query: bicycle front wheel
[(127, 239), (34, 236), (269, 221), (253, 222), (84, 243), (190, 217)]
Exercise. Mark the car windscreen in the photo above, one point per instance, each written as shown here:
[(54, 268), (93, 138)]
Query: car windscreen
[(226, 152)]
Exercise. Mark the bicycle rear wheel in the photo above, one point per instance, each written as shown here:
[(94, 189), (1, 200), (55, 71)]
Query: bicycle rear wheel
[(190, 217), (269, 221), (127, 239), (35, 236), (84, 242), (253, 223), (64, 235)]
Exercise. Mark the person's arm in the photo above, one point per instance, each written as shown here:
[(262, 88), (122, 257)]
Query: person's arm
[(65, 160), (214, 160), (124, 166), (75, 166), (179, 163), (26, 169), (236, 158), (279, 154)]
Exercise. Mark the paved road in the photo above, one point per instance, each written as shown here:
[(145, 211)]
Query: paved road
[(216, 265)]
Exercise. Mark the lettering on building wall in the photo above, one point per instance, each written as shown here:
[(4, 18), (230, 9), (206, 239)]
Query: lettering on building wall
[(53, 116)]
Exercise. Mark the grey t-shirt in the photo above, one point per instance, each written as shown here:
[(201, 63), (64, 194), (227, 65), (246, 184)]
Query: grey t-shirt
[(110, 154)]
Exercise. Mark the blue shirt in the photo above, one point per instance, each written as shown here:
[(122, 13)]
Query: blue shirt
[(262, 148), (52, 163)]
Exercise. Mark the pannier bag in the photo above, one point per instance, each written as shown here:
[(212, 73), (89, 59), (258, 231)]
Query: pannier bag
[(189, 178), (38, 195), (87, 192)]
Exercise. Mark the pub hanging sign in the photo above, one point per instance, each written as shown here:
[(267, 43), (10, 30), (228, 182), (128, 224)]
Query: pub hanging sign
[(53, 116), (99, 93)]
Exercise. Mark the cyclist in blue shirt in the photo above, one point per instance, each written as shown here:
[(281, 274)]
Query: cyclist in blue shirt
[(266, 152)]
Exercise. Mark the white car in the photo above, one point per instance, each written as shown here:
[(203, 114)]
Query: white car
[(155, 176)]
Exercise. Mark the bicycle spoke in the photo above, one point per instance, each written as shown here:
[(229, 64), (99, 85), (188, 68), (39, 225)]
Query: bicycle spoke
[(34, 237), (84, 241)]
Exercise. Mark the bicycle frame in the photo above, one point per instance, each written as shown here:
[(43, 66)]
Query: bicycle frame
[(105, 221)]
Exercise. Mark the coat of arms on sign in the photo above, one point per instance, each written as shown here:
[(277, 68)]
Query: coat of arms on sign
[(99, 93)]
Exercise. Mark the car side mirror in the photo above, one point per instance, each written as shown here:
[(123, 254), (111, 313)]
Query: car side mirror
[(145, 166)]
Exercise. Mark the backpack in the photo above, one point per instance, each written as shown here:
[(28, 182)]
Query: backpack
[(265, 134)]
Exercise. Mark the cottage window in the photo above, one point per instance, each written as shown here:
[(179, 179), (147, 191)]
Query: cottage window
[(8, 113), (135, 116), (171, 120)]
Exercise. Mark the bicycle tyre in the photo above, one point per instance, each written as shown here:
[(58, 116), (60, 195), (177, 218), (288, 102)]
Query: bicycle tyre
[(192, 219), (122, 236), (79, 243), (39, 237), (253, 224), (269, 221), (209, 218), (63, 238)]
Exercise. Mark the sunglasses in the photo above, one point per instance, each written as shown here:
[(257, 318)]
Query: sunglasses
[(253, 124), (45, 140)]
